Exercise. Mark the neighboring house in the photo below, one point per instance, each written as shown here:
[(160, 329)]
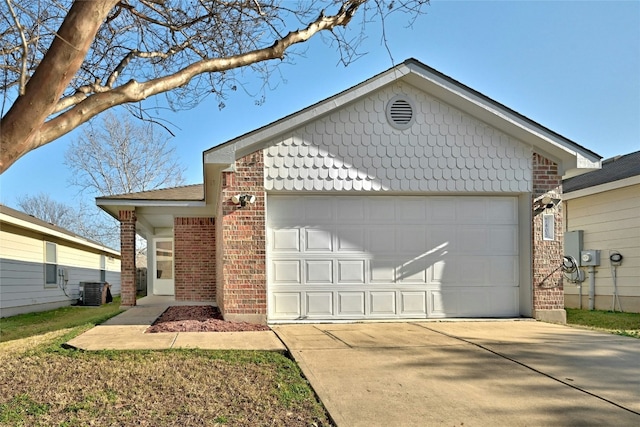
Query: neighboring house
[(605, 205), (407, 196), (41, 265)]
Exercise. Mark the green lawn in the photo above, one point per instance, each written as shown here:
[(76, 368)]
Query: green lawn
[(627, 324), (27, 325), (44, 384)]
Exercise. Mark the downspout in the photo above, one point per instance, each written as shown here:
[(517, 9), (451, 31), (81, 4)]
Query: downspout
[(592, 286)]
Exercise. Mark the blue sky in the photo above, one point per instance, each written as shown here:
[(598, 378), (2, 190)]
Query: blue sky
[(572, 66)]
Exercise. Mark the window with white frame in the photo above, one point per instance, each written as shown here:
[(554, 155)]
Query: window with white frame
[(548, 227), (50, 264), (103, 268)]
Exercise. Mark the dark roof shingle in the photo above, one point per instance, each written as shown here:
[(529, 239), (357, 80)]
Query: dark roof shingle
[(194, 192), (614, 169)]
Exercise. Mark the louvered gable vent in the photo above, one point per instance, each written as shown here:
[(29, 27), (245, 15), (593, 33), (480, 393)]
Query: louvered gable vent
[(400, 112)]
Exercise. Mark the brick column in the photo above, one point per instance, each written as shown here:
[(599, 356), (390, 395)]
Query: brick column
[(128, 258), (548, 290), (195, 259), (242, 290)]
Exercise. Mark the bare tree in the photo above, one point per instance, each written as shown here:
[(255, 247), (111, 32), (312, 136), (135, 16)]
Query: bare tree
[(84, 220), (119, 156), (43, 207), (62, 65)]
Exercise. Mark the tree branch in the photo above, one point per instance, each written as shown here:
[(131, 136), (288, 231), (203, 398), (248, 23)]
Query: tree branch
[(134, 91), (22, 123), (25, 48)]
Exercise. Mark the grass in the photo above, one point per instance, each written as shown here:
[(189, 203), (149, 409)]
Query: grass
[(28, 325), (627, 324), (44, 384)]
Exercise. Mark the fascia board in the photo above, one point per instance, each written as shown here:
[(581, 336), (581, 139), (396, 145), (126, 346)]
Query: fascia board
[(150, 203), (112, 206), (53, 233), (228, 152), (607, 186)]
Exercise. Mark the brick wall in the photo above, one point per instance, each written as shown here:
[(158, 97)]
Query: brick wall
[(242, 292), (548, 292), (194, 257), (128, 257)]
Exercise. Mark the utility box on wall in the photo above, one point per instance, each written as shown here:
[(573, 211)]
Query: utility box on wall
[(590, 257), (573, 244)]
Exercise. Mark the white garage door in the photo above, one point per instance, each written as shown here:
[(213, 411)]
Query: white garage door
[(373, 257)]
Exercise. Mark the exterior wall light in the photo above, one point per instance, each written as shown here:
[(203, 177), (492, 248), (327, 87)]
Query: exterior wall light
[(243, 199)]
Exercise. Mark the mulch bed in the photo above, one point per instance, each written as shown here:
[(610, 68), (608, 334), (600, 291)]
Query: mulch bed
[(199, 318)]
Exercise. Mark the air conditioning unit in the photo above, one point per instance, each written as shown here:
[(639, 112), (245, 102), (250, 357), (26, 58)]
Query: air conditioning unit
[(92, 294)]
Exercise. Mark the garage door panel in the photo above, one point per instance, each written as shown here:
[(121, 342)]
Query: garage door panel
[(286, 240), (381, 240), (318, 240), (442, 303), (287, 210), (442, 210), (286, 305), (412, 271), (412, 210), (383, 303), (471, 210), (351, 271), (504, 302), (382, 210), (503, 240), (350, 210), (474, 237), (502, 210), (504, 271), (316, 209), (469, 270), (382, 270), (319, 272), (473, 302), (286, 271), (413, 303), (319, 304), (351, 303), (350, 239), (411, 239)]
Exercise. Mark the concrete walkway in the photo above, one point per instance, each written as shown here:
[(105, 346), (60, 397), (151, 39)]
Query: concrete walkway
[(515, 373), (126, 332)]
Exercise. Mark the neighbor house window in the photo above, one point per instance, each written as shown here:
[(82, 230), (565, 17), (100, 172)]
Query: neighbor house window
[(50, 264), (103, 268)]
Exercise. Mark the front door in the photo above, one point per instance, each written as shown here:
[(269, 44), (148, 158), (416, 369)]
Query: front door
[(163, 267)]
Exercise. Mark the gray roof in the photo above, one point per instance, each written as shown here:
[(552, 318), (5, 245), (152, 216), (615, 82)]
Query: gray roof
[(614, 169), (37, 221), (194, 192)]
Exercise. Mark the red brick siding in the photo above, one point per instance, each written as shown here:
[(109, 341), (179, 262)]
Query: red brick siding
[(194, 256), (243, 289), (547, 255), (128, 257)]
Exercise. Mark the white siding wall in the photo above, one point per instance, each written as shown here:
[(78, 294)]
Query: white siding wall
[(357, 149), (22, 282), (611, 221)]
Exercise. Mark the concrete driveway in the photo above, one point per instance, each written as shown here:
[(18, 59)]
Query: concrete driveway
[(502, 373)]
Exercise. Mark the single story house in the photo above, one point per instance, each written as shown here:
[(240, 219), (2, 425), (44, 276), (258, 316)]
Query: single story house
[(409, 195), (604, 207), (42, 265)]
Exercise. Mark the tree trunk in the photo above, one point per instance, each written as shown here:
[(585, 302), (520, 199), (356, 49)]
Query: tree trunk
[(22, 123)]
